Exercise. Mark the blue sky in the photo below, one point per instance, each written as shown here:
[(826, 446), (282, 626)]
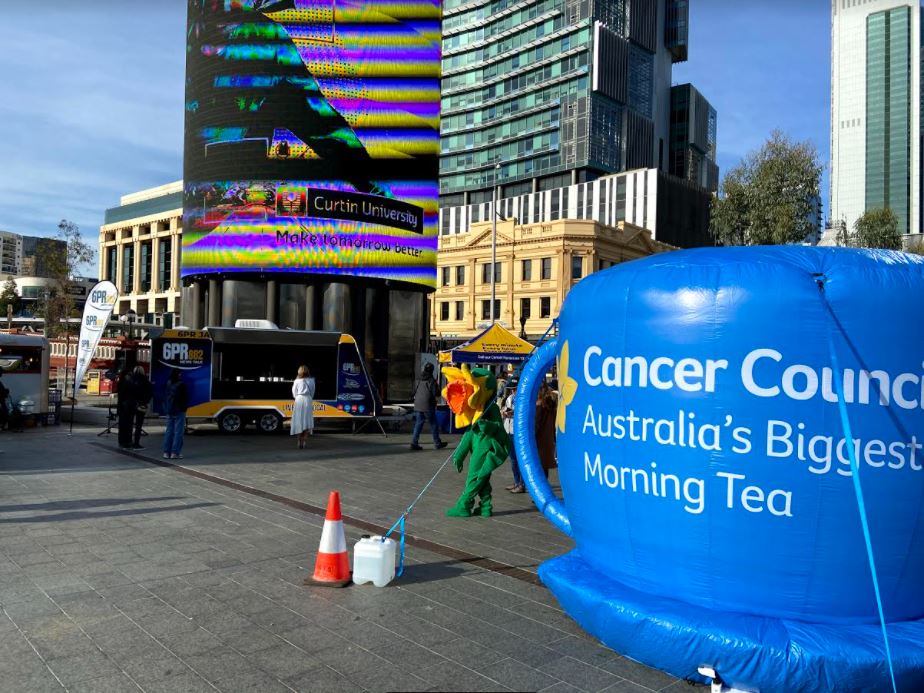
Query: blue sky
[(92, 103)]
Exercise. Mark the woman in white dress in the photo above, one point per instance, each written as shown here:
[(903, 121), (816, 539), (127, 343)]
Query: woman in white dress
[(303, 411)]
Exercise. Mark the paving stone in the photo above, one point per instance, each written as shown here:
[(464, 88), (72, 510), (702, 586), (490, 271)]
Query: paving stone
[(82, 667), (321, 679), (562, 687), (218, 664), (408, 656), (454, 677), (517, 676), (638, 673), (151, 665), (585, 676), (627, 687), (251, 682), (190, 642), (283, 661), (43, 681), (184, 682), (250, 640), (118, 683)]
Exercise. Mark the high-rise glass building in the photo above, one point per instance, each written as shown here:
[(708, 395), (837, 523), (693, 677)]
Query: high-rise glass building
[(693, 137), (876, 110), (541, 94), (564, 110)]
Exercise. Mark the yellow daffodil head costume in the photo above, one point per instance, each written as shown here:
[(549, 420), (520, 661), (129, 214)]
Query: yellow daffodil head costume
[(470, 394)]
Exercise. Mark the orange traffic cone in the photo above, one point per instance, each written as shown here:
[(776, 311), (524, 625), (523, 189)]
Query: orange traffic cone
[(332, 567)]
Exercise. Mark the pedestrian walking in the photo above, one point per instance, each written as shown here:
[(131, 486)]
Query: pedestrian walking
[(303, 411), (5, 406), (507, 411), (126, 406), (426, 392), (176, 401), (143, 393), (546, 409)]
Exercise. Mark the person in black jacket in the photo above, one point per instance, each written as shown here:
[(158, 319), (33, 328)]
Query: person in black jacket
[(425, 393), (143, 393), (127, 406), (176, 401)]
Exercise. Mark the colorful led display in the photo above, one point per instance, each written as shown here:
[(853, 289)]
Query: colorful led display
[(312, 138)]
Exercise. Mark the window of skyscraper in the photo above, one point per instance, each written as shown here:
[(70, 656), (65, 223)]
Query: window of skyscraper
[(545, 307), (444, 276), (460, 310), (444, 310), (577, 267), (164, 262), (527, 270), (460, 275)]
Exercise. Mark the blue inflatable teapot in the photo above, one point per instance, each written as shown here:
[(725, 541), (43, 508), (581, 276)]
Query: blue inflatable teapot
[(740, 438)]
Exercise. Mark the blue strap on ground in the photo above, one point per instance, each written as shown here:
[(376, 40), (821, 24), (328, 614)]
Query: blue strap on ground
[(855, 469), (401, 520)]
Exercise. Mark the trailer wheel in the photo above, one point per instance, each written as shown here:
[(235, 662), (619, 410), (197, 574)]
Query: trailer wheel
[(269, 422), (230, 422)]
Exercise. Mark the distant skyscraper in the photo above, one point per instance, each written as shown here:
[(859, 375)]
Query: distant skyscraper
[(693, 138), (543, 99), (555, 92), (876, 110)]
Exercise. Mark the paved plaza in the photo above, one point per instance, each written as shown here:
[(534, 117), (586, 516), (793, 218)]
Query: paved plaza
[(120, 574)]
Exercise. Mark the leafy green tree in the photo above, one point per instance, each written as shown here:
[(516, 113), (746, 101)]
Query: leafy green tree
[(877, 228), (62, 260), (9, 297), (771, 197)]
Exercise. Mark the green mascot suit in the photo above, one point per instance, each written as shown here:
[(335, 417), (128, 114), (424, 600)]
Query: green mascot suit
[(471, 395)]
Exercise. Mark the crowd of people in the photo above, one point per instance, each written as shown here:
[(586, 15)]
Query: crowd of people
[(135, 393)]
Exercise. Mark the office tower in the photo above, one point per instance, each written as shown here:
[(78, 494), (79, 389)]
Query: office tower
[(875, 110), (693, 138), (543, 99)]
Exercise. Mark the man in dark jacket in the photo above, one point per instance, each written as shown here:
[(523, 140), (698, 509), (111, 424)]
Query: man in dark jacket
[(143, 393), (176, 402), (127, 406), (425, 393)]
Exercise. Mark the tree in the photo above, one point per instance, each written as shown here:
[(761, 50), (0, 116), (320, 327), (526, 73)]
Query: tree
[(8, 296), (771, 197), (877, 228), (62, 260)]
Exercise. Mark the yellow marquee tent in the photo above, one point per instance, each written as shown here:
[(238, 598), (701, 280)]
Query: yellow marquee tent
[(494, 345)]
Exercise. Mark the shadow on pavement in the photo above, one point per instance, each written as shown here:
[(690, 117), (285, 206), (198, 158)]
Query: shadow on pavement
[(81, 515), (80, 504), (416, 573)]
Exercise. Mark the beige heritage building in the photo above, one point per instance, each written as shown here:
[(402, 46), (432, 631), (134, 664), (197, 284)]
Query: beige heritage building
[(537, 264)]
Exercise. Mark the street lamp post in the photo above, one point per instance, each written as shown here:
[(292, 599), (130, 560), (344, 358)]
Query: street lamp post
[(494, 240), (522, 327)]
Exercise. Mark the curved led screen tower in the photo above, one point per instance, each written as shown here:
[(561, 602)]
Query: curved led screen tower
[(312, 139)]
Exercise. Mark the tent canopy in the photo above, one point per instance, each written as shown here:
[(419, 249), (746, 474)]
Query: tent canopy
[(494, 345)]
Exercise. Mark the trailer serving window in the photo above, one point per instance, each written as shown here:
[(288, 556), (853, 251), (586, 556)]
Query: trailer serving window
[(252, 371)]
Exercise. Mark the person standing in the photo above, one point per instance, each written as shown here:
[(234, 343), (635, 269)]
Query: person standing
[(546, 409), (4, 406), (176, 402), (425, 393), (126, 407), (143, 393), (303, 411), (507, 415)]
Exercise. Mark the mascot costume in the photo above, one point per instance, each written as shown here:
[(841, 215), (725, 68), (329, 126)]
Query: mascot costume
[(471, 395)]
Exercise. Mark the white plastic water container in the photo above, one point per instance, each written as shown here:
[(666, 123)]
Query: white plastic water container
[(374, 561)]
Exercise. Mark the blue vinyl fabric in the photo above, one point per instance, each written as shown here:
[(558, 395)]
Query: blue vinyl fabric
[(705, 470)]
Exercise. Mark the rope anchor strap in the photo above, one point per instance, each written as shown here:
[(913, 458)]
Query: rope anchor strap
[(401, 521), (855, 469)]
